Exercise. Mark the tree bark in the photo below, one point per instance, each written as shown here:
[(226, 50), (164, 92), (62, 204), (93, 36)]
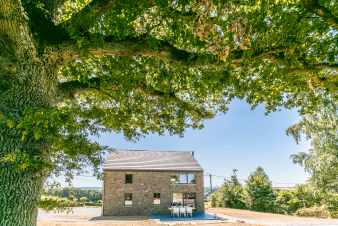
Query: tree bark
[(14, 26), (19, 196), (22, 169), (23, 161)]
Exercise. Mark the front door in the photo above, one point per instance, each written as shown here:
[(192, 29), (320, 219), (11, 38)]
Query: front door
[(177, 199)]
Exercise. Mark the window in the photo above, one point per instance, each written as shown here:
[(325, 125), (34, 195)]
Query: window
[(191, 179), (173, 179), (128, 199), (189, 199), (183, 178), (157, 199), (129, 179)]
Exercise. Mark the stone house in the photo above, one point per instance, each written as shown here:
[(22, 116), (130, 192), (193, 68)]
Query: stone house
[(140, 182)]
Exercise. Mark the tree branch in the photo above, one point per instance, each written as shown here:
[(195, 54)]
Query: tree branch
[(71, 88), (238, 56), (132, 48), (69, 52), (315, 7), (167, 54), (171, 95), (277, 54)]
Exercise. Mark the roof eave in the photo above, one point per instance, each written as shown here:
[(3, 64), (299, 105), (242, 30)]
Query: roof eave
[(156, 170)]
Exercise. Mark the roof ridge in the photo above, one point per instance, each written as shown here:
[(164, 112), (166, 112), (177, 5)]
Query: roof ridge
[(152, 150)]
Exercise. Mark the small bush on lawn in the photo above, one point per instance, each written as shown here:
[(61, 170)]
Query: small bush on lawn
[(331, 200), (315, 211), (92, 204), (83, 200), (213, 201)]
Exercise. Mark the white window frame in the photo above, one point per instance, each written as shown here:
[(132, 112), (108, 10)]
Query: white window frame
[(128, 203)]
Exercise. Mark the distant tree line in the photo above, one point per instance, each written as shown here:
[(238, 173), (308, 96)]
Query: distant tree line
[(258, 194), (63, 198)]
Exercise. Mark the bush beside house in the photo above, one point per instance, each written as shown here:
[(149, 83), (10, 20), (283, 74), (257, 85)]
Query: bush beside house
[(257, 194)]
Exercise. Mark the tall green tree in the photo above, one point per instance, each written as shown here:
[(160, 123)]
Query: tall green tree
[(233, 192), (72, 69), (321, 161), (259, 191)]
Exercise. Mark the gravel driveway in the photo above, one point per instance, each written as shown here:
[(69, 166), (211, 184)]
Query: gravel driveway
[(91, 217), (252, 217)]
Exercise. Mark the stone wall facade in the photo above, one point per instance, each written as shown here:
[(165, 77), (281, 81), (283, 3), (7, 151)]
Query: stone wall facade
[(145, 184)]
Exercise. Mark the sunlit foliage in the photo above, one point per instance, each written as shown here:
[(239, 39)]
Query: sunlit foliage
[(70, 70)]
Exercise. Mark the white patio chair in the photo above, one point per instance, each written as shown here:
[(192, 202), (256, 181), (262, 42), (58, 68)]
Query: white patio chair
[(175, 211), (188, 210), (182, 211)]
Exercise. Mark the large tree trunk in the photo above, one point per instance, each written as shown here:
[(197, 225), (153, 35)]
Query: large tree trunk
[(23, 158), (19, 196), (29, 86)]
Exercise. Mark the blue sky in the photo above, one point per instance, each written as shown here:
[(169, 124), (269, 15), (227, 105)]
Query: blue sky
[(242, 139)]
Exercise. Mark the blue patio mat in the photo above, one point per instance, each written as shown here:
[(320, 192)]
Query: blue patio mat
[(195, 216)]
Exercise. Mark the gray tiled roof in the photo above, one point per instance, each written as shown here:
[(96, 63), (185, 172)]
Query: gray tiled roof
[(151, 160)]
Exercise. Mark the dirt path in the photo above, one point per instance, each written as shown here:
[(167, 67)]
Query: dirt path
[(252, 217)]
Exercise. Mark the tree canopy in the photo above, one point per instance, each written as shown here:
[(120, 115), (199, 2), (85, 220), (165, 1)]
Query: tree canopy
[(156, 66), (72, 69)]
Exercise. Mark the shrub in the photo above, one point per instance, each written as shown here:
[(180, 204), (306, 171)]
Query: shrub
[(92, 204), (315, 211), (217, 198), (50, 203), (230, 194), (213, 201), (83, 200), (331, 200), (93, 195), (284, 199), (303, 196)]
